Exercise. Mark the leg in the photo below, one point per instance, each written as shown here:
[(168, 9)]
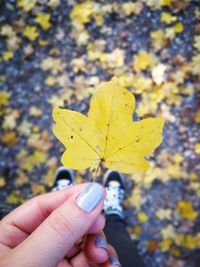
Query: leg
[(115, 229), (118, 236)]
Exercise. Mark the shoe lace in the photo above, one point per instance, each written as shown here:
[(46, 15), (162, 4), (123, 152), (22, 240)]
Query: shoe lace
[(61, 184), (114, 196)]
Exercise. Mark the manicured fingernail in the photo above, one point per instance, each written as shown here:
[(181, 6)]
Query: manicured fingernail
[(114, 261), (101, 243), (90, 197)]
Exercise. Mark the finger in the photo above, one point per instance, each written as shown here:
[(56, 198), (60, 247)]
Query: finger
[(64, 263), (80, 261), (112, 259), (16, 226), (59, 232), (4, 249), (97, 227), (96, 248)]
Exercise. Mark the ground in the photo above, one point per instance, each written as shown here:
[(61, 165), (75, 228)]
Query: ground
[(57, 53)]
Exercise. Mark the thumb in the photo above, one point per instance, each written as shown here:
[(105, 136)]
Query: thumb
[(50, 242)]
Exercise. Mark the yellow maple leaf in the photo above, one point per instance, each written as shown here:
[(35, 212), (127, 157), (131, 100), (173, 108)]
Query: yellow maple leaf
[(9, 138), (56, 101), (128, 8), (178, 27), (26, 5), (43, 19), (143, 61), (7, 55), (115, 59), (177, 158), (50, 80), (21, 178), (82, 37), (197, 117), (149, 177), (163, 214), (4, 98), (142, 217), (165, 244), (24, 128), (141, 84), (168, 232), (35, 111), (186, 210), (197, 42), (2, 181), (53, 3), (158, 73), (30, 32), (136, 231), (167, 18), (136, 198), (10, 121), (126, 80), (53, 64), (15, 197), (38, 189), (187, 241), (156, 4), (7, 31), (82, 13), (107, 135), (195, 64), (197, 148), (158, 39)]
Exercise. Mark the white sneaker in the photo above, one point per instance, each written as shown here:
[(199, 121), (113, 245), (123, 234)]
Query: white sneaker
[(114, 184), (63, 178)]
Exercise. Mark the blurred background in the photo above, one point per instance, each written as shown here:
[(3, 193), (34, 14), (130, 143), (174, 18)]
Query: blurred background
[(56, 53)]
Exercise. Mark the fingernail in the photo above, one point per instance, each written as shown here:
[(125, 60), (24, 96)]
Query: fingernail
[(114, 261), (90, 197), (101, 243)]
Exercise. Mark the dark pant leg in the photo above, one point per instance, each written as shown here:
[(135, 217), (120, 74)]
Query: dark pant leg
[(118, 236)]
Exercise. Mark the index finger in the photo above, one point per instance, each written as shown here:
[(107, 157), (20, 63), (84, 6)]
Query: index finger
[(22, 221)]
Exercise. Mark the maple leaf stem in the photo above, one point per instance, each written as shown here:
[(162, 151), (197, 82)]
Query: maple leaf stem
[(99, 167)]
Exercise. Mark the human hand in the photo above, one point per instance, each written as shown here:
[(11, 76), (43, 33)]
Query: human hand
[(43, 232)]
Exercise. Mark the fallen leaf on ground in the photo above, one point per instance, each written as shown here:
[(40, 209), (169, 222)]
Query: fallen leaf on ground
[(43, 19), (164, 214), (167, 18), (30, 32), (142, 217), (26, 5), (2, 182), (4, 98), (9, 138), (152, 245), (143, 61), (15, 198), (168, 232), (22, 178), (35, 111), (197, 148), (82, 13), (186, 210), (38, 189), (158, 73), (7, 55), (165, 244)]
